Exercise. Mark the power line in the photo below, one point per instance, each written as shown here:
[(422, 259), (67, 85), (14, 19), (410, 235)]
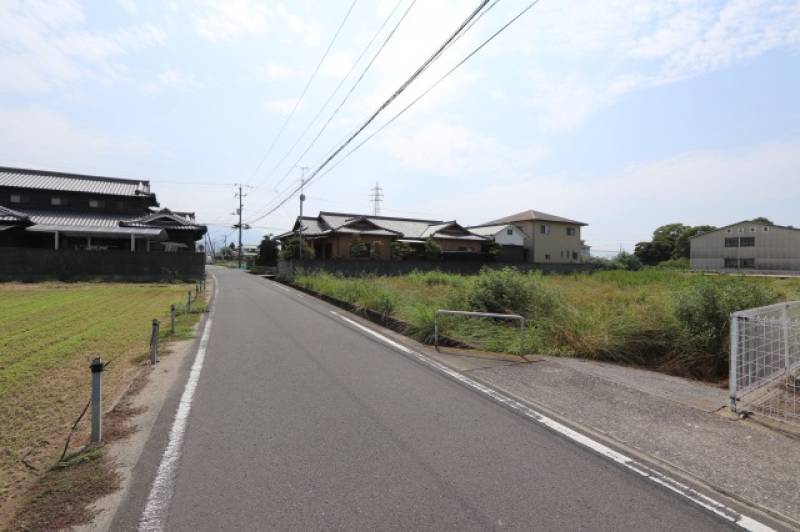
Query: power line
[(389, 100), (305, 90), (431, 87), (335, 91), (352, 89)]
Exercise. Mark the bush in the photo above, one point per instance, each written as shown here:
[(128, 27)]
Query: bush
[(674, 264), (703, 309), (508, 291)]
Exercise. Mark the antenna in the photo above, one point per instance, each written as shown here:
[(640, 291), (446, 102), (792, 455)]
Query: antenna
[(376, 198)]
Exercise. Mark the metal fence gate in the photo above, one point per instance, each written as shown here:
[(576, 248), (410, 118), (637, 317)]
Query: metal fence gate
[(765, 361)]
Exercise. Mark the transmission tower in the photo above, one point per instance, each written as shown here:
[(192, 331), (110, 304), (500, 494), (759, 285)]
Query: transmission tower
[(376, 198)]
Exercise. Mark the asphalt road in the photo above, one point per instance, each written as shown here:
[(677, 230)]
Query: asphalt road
[(302, 422)]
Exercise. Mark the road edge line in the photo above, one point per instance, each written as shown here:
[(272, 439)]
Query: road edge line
[(718, 508), (160, 496)]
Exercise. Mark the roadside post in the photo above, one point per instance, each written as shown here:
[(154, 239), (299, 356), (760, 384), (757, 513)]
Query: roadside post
[(172, 318), (154, 343), (97, 367), (189, 302), (196, 289)]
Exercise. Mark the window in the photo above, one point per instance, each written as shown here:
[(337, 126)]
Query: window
[(544, 229), (570, 231), (729, 230), (747, 241), (747, 263), (766, 229), (731, 263), (96, 204), (59, 201), (574, 255), (547, 257), (731, 242), (752, 229), (509, 231), (18, 198)]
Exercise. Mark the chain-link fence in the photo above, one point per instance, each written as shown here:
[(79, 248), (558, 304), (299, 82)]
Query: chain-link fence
[(765, 361)]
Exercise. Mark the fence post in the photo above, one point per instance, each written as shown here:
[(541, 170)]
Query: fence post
[(785, 331), (97, 367), (172, 317), (522, 337), (436, 330), (189, 302), (154, 343), (734, 348), (196, 289)]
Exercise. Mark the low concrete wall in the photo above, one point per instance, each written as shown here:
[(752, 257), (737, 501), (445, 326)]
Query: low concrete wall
[(30, 264), (352, 268)]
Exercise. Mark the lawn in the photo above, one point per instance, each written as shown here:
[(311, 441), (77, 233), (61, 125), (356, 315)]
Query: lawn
[(48, 334), (666, 320)]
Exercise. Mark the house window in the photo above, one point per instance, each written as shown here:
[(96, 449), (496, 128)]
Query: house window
[(96, 204), (766, 229), (18, 198), (747, 263), (731, 242), (731, 263), (547, 257), (58, 201), (729, 231), (574, 255), (752, 229), (747, 241), (544, 229), (509, 231), (570, 231)]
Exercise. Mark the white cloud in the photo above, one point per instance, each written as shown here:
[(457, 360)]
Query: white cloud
[(41, 138), (282, 106), (45, 45), (231, 20), (129, 5), (308, 32), (582, 56), (276, 71), (449, 149), (169, 79)]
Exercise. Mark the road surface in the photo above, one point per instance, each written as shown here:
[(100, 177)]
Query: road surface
[(301, 421)]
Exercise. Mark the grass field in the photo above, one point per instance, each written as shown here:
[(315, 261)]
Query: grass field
[(666, 320), (48, 334)]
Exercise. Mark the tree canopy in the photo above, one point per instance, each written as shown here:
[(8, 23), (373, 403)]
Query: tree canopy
[(671, 241)]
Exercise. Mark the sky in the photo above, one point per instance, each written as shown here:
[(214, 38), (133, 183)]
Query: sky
[(623, 114)]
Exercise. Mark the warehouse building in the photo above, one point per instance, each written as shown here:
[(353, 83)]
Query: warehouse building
[(752, 246)]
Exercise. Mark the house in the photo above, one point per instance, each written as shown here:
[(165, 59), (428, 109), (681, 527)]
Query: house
[(547, 238), (331, 235), (509, 237), (56, 224), (747, 246)]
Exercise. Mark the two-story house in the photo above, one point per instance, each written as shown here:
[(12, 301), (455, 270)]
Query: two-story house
[(546, 238)]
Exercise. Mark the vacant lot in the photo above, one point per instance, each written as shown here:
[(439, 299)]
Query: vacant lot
[(48, 335), (666, 320)]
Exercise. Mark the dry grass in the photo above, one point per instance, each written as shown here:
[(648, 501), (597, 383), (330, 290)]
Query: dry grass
[(48, 334)]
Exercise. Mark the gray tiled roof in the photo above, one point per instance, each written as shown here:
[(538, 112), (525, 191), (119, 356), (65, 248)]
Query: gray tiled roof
[(10, 215), (488, 230), (47, 180), (78, 218), (531, 215), (166, 219)]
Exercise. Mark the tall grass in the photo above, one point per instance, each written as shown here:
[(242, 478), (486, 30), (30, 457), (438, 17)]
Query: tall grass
[(670, 320)]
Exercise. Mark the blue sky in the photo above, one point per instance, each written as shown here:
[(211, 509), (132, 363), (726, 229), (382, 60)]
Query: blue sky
[(620, 113)]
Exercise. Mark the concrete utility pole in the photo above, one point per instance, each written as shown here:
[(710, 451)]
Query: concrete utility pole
[(239, 211), (302, 199)]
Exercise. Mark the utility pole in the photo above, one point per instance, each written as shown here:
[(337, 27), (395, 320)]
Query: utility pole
[(302, 199), (376, 197), (239, 210)]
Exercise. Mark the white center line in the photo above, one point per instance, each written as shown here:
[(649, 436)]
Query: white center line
[(718, 508)]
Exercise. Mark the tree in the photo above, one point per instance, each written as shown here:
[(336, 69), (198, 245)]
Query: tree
[(762, 220), (357, 247), (683, 244), (290, 249), (267, 252), (400, 250), (651, 253), (432, 249)]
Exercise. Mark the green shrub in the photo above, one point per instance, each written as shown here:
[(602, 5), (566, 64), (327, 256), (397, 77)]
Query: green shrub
[(674, 264), (435, 277), (508, 291), (421, 323), (703, 308), (378, 300)]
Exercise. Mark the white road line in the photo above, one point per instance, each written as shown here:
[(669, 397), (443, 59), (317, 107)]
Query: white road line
[(727, 513), (155, 510)]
